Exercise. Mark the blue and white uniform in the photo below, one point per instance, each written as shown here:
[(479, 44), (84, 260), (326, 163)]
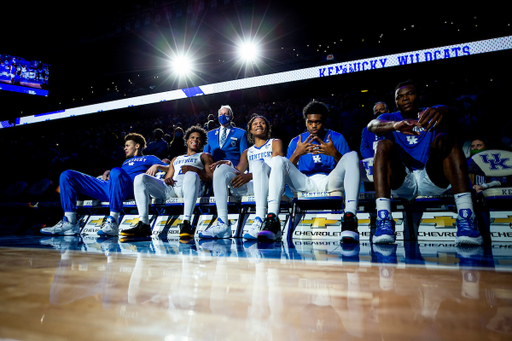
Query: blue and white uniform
[(146, 186), (193, 160), (115, 190), (414, 152), (318, 172), (369, 143), (263, 153), (258, 159)]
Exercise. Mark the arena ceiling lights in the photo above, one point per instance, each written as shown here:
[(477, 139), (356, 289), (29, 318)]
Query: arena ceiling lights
[(181, 65), (375, 63), (248, 51)]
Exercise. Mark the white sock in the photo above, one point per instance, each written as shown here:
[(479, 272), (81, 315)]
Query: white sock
[(276, 182), (221, 179), (464, 204), (71, 216), (260, 176), (192, 183), (383, 205), (115, 215), (351, 182), (143, 186)]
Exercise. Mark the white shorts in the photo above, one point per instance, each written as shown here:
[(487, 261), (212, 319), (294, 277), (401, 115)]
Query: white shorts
[(418, 183)]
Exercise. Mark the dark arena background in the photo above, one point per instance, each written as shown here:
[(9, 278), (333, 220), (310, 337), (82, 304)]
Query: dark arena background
[(76, 78)]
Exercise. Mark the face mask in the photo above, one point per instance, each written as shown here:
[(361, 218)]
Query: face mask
[(224, 119), (476, 151)]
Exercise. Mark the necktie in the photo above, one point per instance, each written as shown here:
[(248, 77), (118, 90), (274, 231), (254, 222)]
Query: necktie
[(223, 137)]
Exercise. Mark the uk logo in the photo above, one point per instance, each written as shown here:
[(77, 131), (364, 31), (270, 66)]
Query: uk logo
[(412, 139), (317, 159), (496, 161), (465, 213), (383, 214)]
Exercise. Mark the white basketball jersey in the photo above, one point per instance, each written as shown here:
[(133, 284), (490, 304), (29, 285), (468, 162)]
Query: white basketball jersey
[(193, 160), (262, 153)]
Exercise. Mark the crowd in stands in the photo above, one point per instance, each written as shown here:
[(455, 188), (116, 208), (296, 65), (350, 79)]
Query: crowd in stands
[(96, 147)]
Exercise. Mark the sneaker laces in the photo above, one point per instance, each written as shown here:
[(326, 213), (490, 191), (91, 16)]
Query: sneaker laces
[(385, 225), (217, 223), (465, 224)]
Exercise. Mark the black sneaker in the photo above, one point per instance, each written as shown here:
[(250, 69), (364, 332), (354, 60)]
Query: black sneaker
[(139, 230), (186, 230), (349, 233), (271, 228)]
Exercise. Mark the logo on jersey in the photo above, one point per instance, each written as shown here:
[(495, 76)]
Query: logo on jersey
[(260, 156), (496, 162), (317, 159), (412, 139)]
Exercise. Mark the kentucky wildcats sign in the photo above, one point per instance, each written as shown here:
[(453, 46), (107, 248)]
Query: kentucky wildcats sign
[(376, 63)]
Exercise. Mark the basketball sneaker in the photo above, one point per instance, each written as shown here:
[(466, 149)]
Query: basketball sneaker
[(467, 229), (219, 230), (271, 228), (187, 230), (349, 233), (110, 227), (63, 228), (254, 229), (385, 232), (139, 230)]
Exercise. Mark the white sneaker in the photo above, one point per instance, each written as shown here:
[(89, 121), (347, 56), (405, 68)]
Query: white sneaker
[(63, 228), (252, 232), (110, 227), (219, 230)]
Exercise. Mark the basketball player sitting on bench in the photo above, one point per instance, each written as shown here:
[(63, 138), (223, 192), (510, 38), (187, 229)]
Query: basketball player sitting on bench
[(185, 179), (115, 187), (318, 160), (420, 156), (228, 178)]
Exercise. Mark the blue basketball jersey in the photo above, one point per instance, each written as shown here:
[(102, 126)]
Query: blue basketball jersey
[(310, 164), (140, 164), (414, 150)]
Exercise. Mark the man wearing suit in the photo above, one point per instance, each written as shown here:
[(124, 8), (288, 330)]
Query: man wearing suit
[(226, 142)]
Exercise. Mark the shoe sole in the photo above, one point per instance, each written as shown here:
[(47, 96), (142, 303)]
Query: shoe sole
[(101, 233), (269, 236), (469, 241), (349, 237), (65, 233), (250, 237), (384, 239), (213, 237)]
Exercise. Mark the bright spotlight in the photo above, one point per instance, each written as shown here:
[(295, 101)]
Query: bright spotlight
[(181, 65), (248, 52)]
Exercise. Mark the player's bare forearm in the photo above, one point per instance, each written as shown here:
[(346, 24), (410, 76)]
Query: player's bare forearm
[(295, 158), (380, 127), (204, 176), (163, 168)]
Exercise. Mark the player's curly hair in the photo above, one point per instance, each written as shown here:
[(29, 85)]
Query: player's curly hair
[(137, 138), (196, 129), (250, 136), (316, 108)]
